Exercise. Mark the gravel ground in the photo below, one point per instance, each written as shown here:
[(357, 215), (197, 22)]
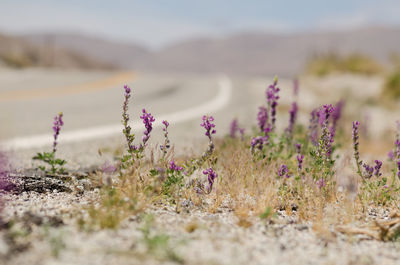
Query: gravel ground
[(47, 234)]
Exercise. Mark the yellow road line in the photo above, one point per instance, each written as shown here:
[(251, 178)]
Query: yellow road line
[(97, 85)]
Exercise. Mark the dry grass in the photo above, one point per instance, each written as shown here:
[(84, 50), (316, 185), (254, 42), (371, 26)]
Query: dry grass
[(248, 187)]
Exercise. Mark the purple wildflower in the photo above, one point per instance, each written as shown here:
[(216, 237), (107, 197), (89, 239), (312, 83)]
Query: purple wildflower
[(313, 127), (292, 118), (300, 162), (397, 148), (166, 145), (166, 124), (148, 120), (125, 120), (258, 142), (297, 146), (127, 90), (233, 128), (58, 123), (355, 138), (324, 114), (174, 167), (337, 112), (272, 99), (283, 171), (378, 165), (398, 168), (108, 168), (208, 125), (325, 143), (369, 170), (331, 139), (211, 175), (262, 118)]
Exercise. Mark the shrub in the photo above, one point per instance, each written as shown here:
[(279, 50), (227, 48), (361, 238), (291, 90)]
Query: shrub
[(323, 65)]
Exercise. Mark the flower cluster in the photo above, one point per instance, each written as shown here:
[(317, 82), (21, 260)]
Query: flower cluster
[(292, 118), (234, 128), (211, 176), (369, 170), (297, 146), (258, 142), (208, 126), (166, 145), (283, 171), (57, 124), (378, 165), (262, 118), (300, 162), (148, 120), (130, 137), (326, 140), (174, 167), (337, 112), (272, 100), (356, 143), (313, 127)]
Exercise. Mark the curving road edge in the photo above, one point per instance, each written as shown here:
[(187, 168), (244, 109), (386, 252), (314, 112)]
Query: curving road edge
[(218, 102)]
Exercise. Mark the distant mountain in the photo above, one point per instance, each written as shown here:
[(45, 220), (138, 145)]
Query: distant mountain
[(17, 52), (119, 54), (243, 53), (285, 54)]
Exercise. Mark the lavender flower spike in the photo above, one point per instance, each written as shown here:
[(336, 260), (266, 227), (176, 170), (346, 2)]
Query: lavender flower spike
[(211, 175), (313, 127), (258, 142), (325, 142), (262, 118), (130, 137), (292, 118), (378, 165), (272, 100), (369, 170), (174, 167), (166, 145), (355, 137), (300, 162), (58, 123), (283, 171), (208, 125), (148, 120)]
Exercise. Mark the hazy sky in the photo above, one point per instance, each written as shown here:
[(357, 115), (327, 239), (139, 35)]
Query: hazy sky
[(159, 22)]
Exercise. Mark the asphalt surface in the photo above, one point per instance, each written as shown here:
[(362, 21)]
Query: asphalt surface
[(92, 104)]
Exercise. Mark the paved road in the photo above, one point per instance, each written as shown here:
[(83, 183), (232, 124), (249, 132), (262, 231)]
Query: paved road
[(92, 102)]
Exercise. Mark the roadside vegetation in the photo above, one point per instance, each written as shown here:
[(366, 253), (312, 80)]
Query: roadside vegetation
[(325, 64), (313, 171)]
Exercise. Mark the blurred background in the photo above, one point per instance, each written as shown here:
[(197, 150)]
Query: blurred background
[(252, 37), (75, 56)]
